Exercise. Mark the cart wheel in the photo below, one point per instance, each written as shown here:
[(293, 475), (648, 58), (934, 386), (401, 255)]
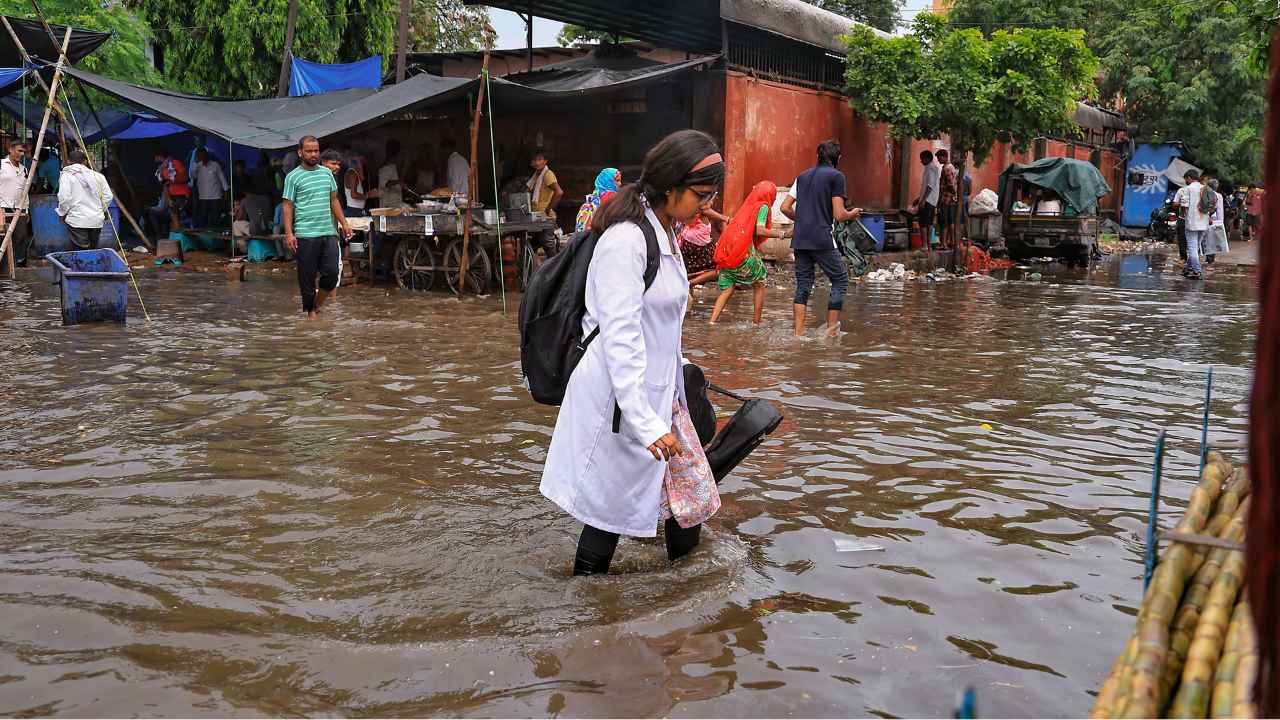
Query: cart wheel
[(526, 263), (479, 269), (415, 264)]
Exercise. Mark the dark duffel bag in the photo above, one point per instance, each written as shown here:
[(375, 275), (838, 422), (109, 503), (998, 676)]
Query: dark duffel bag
[(701, 411), (748, 427)]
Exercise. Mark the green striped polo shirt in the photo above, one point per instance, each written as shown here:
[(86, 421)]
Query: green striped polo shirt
[(310, 190)]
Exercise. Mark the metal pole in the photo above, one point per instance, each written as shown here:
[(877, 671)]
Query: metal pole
[(1204, 426), (1153, 551)]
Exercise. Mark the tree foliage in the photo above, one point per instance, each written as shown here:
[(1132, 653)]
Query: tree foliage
[(1190, 72), (883, 15), (233, 47), (448, 26), (123, 56), (1015, 86), (577, 36)]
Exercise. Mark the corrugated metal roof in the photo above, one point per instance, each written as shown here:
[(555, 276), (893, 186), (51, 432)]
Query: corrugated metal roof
[(1100, 118), (692, 25)]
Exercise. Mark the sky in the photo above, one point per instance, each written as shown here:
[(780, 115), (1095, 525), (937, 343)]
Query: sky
[(511, 30)]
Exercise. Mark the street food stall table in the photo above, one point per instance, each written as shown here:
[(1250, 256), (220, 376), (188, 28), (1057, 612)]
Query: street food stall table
[(429, 245)]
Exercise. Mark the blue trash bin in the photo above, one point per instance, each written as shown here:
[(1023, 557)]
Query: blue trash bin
[(49, 233), (108, 237), (874, 223), (94, 285)]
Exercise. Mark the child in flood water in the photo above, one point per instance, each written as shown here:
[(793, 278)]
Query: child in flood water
[(616, 461)]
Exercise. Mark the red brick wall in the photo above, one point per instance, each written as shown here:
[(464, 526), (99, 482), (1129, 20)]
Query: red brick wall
[(772, 131)]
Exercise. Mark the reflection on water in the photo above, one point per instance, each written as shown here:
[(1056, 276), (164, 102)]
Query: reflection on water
[(230, 511)]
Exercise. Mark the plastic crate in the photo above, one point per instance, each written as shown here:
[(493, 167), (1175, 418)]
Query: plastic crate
[(94, 285)]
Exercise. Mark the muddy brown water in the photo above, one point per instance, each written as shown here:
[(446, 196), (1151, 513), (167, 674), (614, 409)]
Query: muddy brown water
[(229, 511)]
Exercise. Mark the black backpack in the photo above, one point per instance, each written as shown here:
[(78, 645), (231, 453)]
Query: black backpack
[(551, 311)]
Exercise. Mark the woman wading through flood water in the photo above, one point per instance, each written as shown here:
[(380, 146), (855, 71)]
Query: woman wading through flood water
[(617, 461)]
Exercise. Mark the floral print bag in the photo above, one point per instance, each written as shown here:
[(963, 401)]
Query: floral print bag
[(689, 492)]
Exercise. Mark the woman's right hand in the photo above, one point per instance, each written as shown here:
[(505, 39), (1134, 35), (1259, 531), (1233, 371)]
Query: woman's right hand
[(666, 447)]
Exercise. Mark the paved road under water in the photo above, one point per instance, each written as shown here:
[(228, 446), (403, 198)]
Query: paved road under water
[(229, 511)]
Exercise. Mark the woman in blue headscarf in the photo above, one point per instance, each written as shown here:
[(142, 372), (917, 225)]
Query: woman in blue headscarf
[(607, 182)]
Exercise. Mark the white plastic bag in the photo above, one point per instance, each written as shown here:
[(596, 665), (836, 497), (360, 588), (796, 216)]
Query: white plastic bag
[(986, 202)]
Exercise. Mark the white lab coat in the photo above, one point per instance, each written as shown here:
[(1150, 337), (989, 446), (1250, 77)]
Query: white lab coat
[(606, 480)]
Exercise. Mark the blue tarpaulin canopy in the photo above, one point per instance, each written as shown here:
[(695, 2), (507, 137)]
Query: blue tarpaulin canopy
[(9, 76), (309, 78), (119, 124)]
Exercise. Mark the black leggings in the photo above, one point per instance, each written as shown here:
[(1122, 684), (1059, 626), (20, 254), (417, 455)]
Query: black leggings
[(595, 546)]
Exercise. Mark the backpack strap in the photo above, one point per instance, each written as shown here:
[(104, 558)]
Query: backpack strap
[(652, 260)]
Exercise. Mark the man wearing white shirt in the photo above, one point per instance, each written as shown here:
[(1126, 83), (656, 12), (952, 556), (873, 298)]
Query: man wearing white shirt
[(211, 187), (1197, 222), (926, 205), (459, 169), (83, 197), (13, 200), (389, 177)]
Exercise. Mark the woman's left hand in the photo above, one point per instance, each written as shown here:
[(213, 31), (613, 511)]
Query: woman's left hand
[(666, 447)]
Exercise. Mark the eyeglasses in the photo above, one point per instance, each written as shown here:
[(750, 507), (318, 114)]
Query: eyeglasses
[(705, 198)]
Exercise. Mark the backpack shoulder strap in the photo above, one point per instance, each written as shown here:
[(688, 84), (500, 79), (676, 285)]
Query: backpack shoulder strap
[(652, 259), (653, 254)]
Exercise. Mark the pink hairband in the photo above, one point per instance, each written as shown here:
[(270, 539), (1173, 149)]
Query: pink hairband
[(708, 161)]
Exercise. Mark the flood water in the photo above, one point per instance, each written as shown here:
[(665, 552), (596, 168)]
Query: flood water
[(230, 511)]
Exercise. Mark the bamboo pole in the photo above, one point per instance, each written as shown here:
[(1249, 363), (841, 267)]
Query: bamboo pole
[(5, 246), (473, 181), (63, 116)]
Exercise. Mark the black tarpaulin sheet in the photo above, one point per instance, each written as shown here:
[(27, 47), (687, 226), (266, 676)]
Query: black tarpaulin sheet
[(278, 123), (590, 73), (33, 112), (36, 40)]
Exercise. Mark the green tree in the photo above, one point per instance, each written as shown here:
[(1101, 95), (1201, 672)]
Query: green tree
[(883, 15), (122, 57), (448, 26), (1019, 84), (1190, 72), (577, 36), (233, 47)]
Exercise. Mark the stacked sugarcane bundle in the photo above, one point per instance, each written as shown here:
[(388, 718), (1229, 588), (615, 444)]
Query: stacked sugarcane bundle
[(1194, 653)]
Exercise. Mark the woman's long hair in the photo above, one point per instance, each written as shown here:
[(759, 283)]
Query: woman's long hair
[(667, 166)]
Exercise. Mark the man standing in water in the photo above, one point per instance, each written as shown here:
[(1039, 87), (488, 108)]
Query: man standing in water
[(815, 202), (310, 208), (13, 202)]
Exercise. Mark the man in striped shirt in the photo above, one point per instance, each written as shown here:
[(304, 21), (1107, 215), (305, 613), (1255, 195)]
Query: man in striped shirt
[(310, 208)]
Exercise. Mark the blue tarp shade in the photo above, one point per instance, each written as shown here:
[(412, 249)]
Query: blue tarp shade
[(9, 76), (309, 78), (146, 126), (120, 125)]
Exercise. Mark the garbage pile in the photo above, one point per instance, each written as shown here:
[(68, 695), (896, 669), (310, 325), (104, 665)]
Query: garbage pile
[(895, 272), (1194, 652)]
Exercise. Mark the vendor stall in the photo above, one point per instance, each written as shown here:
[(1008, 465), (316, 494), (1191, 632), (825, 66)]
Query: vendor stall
[(428, 245)]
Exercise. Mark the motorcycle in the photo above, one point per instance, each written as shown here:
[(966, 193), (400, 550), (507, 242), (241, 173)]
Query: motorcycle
[(1164, 223)]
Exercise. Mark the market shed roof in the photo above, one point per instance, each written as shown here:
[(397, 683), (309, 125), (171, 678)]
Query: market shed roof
[(692, 25)]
